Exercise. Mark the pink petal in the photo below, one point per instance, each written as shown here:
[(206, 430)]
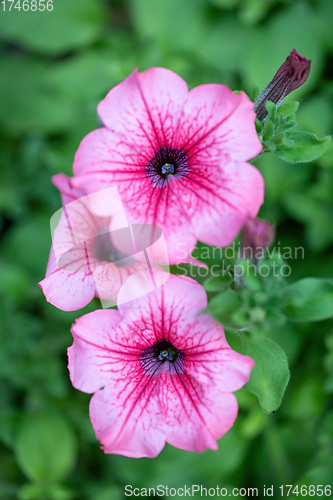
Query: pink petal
[(147, 105), (102, 151), (109, 278), (220, 123), (195, 416), (93, 349), (103, 343), (178, 298), (243, 139), (67, 290), (126, 414), (106, 159), (127, 418), (210, 359), (180, 247), (168, 208), (63, 183), (77, 228), (224, 205)]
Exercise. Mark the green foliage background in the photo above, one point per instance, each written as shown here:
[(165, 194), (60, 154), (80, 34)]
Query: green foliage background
[(55, 67)]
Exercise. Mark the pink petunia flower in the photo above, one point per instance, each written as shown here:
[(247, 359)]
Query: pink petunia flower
[(178, 157), (84, 262), (159, 372)]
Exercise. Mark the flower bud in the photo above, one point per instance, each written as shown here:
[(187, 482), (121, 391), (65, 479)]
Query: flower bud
[(290, 76), (257, 235)]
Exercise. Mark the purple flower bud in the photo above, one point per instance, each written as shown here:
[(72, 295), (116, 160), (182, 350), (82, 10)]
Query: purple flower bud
[(290, 76), (257, 235)]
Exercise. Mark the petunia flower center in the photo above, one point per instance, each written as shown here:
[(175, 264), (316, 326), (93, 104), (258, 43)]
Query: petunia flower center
[(162, 356), (104, 250), (165, 163), (167, 169), (167, 354)]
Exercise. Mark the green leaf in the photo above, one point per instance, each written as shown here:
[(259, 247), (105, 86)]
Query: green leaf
[(152, 20), (254, 92), (270, 374), (271, 108), (195, 272), (212, 256), (324, 10), (223, 306), (69, 25), (288, 109), (14, 280), (252, 11), (258, 126), (287, 125), (268, 131), (215, 48), (304, 147), (49, 491), (45, 447), (310, 299), (31, 492), (30, 253), (271, 146), (30, 105), (224, 4), (315, 114), (217, 283)]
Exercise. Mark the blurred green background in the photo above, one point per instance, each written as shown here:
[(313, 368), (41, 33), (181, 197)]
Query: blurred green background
[(55, 67)]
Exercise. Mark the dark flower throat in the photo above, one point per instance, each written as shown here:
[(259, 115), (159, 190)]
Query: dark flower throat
[(162, 356), (167, 162)]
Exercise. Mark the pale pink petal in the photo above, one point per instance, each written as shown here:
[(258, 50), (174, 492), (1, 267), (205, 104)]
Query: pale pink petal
[(147, 105), (168, 208), (74, 235), (209, 358), (180, 242), (104, 152), (103, 343), (177, 299), (67, 290), (218, 124), (69, 283), (52, 264), (103, 160), (195, 416), (63, 183), (93, 350), (224, 205), (147, 108), (109, 277), (127, 416), (243, 139)]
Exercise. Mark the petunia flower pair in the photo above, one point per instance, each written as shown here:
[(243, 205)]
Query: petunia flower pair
[(160, 370)]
